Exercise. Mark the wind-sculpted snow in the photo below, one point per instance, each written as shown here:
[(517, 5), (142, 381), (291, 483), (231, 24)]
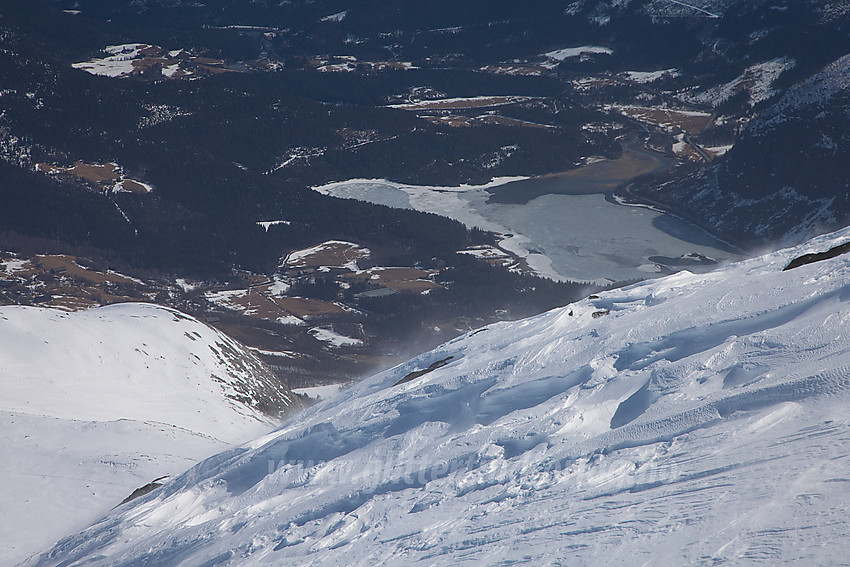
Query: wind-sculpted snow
[(701, 419)]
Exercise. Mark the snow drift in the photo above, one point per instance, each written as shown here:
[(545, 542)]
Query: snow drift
[(690, 419)]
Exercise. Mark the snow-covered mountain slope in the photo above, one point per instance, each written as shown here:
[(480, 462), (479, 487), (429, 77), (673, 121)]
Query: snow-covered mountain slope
[(58, 476), (95, 404), (695, 419), (134, 361)]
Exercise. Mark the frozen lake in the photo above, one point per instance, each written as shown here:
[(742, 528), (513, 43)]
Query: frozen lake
[(580, 237)]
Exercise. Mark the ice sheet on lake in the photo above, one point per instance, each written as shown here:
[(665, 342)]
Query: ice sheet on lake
[(563, 237)]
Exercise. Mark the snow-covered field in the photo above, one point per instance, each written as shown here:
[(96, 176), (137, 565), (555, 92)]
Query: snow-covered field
[(562, 237), (646, 77), (94, 404), (335, 340), (694, 419), (119, 62), (555, 57)]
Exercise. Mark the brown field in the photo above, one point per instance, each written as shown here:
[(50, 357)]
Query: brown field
[(402, 280), (256, 302), (71, 287), (95, 172), (252, 303), (672, 120), (142, 65), (151, 51), (329, 254), (153, 56), (78, 272), (305, 307), (252, 279)]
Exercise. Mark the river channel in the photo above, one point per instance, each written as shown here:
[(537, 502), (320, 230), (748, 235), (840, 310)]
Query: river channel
[(598, 176)]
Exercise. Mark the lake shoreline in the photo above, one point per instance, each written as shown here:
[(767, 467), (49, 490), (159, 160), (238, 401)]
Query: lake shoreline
[(624, 196), (590, 233)]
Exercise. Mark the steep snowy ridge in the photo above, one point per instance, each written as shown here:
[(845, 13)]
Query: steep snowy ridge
[(134, 361), (94, 404), (695, 419)]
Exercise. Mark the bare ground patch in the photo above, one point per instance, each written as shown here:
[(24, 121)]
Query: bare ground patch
[(332, 253), (692, 122), (96, 173), (458, 121), (61, 263), (402, 280)]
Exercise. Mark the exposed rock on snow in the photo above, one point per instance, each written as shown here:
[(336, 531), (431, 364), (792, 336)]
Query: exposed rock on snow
[(818, 256)]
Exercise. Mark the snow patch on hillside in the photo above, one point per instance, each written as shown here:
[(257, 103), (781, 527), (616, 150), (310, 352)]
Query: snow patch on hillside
[(756, 80), (336, 18), (119, 62), (646, 77), (333, 338), (558, 55), (814, 92), (75, 471)]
